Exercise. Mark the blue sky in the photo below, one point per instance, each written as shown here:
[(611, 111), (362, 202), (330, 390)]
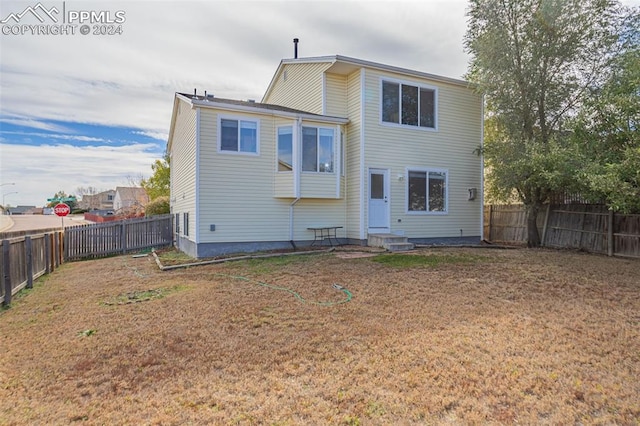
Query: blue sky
[(79, 110)]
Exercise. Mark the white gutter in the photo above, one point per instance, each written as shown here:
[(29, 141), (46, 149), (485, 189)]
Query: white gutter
[(291, 220), (196, 207), (363, 169), (482, 168)]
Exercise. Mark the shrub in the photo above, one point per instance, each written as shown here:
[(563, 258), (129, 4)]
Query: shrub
[(158, 206)]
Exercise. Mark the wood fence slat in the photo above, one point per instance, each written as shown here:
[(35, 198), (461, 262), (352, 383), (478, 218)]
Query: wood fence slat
[(6, 279), (590, 227)]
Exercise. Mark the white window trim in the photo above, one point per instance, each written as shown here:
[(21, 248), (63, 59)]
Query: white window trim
[(419, 86), (335, 160), (185, 224), (446, 198), (238, 118)]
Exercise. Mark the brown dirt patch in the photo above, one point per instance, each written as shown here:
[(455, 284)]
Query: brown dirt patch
[(528, 336)]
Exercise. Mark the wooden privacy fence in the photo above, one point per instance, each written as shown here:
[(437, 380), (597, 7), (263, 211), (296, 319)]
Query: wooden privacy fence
[(588, 227), (104, 239), (26, 258)]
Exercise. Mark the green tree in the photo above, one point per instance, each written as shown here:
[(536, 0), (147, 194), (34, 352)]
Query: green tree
[(60, 195), (608, 130), (158, 185), (533, 60), (160, 205)]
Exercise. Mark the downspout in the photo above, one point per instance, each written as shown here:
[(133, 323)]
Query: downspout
[(293, 244), (482, 168), (296, 177)]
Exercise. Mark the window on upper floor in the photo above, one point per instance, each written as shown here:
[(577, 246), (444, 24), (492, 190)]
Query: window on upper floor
[(240, 136), (285, 149), (427, 191), (318, 149), (408, 104)]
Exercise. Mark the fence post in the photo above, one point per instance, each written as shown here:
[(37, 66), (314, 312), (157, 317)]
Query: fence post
[(52, 245), (490, 222), (27, 247), (123, 237), (61, 250), (546, 222), (65, 245), (47, 253), (610, 242), (6, 280)]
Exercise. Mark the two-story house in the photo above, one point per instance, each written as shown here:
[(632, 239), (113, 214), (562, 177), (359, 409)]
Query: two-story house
[(335, 142), (100, 201)]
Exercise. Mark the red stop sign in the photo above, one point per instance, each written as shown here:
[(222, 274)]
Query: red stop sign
[(61, 209)]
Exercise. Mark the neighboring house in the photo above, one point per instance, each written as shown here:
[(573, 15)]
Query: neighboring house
[(129, 198), (21, 210), (336, 141), (100, 201)]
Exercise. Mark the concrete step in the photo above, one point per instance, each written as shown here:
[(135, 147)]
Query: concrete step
[(379, 240), (390, 242), (394, 247)]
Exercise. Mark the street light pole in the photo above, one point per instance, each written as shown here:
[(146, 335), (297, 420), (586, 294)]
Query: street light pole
[(8, 193)]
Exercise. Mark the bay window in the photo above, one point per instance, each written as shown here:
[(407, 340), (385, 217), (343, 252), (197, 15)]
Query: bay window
[(317, 149)]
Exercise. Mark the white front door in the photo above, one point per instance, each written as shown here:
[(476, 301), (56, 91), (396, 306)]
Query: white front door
[(379, 200)]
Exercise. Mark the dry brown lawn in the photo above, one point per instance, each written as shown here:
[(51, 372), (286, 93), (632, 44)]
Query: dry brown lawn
[(486, 337)]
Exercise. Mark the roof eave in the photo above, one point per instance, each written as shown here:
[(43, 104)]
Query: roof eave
[(264, 111), (367, 64)]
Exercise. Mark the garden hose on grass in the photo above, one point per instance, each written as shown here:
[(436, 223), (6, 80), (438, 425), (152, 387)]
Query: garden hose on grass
[(347, 293)]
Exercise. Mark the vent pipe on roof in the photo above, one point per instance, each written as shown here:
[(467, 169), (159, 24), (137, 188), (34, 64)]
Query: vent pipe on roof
[(295, 48), (195, 95)]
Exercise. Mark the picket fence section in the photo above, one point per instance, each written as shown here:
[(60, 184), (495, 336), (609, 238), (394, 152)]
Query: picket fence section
[(26, 258), (589, 227), (105, 239)]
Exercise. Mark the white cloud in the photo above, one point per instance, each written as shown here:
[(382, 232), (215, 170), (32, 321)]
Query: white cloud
[(43, 170), (78, 138), (34, 124), (228, 47), (162, 136)]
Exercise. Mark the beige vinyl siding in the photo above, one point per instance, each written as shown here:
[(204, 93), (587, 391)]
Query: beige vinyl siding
[(236, 191), (283, 185), (352, 161), (451, 147), (318, 185), (335, 95), (183, 170), (310, 212), (301, 89)]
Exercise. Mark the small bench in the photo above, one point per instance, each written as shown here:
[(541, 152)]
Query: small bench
[(321, 233)]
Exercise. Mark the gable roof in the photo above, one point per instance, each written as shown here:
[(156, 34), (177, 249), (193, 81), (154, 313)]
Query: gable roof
[(132, 193), (345, 65)]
